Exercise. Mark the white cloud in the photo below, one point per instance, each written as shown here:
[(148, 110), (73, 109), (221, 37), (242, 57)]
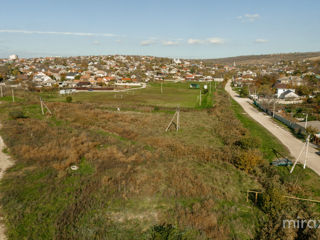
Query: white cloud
[(249, 17), (213, 40), (59, 33), (170, 43), (260, 40), (216, 40), (195, 41), (147, 42), (96, 42)]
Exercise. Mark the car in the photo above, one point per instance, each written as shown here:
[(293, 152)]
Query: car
[(281, 162)]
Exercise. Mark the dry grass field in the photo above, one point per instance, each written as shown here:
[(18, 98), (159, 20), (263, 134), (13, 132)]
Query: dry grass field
[(136, 181)]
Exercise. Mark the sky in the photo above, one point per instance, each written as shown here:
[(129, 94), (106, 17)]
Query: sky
[(164, 28)]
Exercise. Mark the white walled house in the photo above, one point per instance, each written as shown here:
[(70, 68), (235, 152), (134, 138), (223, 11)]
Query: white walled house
[(41, 79), (218, 79), (280, 91), (289, 95)]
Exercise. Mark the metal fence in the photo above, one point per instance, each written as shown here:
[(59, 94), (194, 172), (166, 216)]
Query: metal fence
[(292, 125)]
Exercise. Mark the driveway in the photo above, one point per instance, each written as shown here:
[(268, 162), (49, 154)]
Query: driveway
[(292, 143)]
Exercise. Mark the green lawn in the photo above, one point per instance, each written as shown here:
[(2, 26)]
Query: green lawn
[(173, 95)]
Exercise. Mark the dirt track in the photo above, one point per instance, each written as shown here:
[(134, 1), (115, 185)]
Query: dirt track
[(292, 143), (5, 163)]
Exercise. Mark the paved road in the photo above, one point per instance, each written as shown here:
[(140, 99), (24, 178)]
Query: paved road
[(5, 163), (292, 143)]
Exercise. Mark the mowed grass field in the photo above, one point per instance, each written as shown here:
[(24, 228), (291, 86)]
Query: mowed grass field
[(136, 181), (173, 95)]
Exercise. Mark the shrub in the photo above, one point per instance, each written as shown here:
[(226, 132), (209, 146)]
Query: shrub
[(273, 201), (204, 91), (69, 99), (244, 92), (248, 143), (16, 114), (162, 232), (248, 160)]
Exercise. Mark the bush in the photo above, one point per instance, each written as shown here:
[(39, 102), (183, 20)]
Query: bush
[(248, 143), (244, 92), (248, 160), (204, 91), (69, 99), (169, 232), (16, 114), (273, 201)]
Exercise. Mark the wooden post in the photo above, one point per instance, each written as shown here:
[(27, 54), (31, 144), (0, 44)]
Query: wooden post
[(42, 111), (171, 122), (177, 123), (161, 89), (255, 201), (178, 119), (1, 92), (247, 196), (42, 104), (12, 94), (302, 199), (200, 99), (47, 107)]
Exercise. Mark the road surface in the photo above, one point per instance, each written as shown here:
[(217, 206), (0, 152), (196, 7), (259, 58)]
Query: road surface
[(5, 163), (292, 143)]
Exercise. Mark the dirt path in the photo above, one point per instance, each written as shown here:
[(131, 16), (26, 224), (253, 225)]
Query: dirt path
[(5, 163), (292, 143)]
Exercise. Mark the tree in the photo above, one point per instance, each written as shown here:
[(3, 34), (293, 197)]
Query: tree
[(69, 99), (244, 92), (303, 90)]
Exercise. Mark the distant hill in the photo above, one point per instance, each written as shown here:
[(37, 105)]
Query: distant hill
[(265, 59)]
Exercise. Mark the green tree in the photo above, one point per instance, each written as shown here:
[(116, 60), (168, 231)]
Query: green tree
[(244, 91), (69, 99)]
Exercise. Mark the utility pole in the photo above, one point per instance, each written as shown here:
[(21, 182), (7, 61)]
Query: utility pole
[(12, 94), (306, 123), (274, 107), (306, 148)]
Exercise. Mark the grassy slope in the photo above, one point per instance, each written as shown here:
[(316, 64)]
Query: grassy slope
[(132, 174), (46, 195), (308, 179)]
